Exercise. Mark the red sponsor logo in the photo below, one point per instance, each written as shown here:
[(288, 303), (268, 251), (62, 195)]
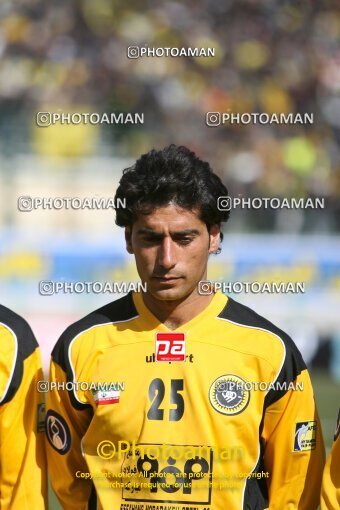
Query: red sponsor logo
[(170, 347)]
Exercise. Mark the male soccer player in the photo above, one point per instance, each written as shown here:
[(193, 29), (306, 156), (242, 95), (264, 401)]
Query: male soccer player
[(330, 492), (23, 469), (180, 400)]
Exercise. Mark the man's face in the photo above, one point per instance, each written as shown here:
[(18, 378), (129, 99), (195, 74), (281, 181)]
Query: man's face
[(171, 247)]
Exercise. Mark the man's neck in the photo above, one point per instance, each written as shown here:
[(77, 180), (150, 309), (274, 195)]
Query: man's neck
[(173, 314)]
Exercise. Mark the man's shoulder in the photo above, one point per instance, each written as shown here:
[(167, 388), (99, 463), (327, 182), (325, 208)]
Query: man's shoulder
[(17, 343), (19, 331), (118, 311), (273, 343), (243, 316)]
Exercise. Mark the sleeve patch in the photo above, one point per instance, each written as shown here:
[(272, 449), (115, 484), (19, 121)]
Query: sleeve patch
[(305, 436), (57, 432)]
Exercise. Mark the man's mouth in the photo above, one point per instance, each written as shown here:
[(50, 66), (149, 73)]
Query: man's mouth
[(167, 279)]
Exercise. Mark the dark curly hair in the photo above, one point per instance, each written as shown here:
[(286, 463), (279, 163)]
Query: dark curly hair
[(174, 174)]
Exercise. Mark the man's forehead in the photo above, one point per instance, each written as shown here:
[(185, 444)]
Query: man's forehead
[(169, 215), (164, 229), (169, 218)]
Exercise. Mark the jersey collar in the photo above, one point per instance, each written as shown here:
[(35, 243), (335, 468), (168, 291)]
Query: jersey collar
[(150, 322)]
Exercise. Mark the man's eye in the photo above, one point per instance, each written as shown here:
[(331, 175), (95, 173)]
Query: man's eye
[(151, 239), (184, 240)]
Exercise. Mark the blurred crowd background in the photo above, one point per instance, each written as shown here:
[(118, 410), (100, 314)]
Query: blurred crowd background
[(272, 57), (278, 56)]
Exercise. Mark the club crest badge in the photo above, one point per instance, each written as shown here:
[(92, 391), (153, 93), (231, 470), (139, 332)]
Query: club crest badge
[(228, 395)]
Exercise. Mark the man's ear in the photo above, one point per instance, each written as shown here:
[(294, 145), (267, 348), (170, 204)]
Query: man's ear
[(214, 238), (128, 240)]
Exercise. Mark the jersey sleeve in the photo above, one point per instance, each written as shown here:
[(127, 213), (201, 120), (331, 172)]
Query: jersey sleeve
[(23, 470), (330, 492), (67, 420), (293, 450)]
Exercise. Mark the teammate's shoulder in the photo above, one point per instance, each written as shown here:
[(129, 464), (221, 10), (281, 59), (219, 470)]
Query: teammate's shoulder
[(242, 315), (17, 343), (19, 330), (120, 310)]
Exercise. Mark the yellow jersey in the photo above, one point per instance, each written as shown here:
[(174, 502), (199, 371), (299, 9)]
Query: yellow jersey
[(330, 493), (23, 469), (218, 414)]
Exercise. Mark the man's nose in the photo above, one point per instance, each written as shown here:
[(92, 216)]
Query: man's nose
[(166, 253)]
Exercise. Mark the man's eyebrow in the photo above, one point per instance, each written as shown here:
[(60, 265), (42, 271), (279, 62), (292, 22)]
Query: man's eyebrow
[(187, 231), (146, 230), (150, 231)]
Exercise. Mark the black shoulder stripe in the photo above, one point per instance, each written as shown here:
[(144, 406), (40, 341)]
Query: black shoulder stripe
[(293, 363), (26, 345), (121, 310)]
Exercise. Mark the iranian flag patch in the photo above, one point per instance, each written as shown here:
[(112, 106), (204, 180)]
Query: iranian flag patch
[(106, 397)]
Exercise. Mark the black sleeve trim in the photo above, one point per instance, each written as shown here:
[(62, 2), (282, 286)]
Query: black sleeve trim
[(256, 491), (293, 363), (93, 500), (26, 345), (121, 310)]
